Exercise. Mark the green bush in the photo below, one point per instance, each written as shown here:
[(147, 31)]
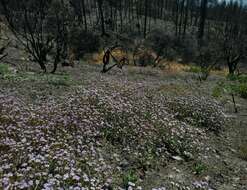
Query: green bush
[(242, 90), (239, 78), (217, 92), (129, 176), (237, 88), (199, 168)]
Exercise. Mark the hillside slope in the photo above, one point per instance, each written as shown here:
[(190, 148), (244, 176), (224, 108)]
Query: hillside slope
[(139, 128)]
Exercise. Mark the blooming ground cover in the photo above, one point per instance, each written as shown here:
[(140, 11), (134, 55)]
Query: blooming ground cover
[(109, 133)]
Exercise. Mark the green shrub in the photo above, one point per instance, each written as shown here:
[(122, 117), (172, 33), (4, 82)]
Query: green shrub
[(237, 86), (217, 92), (232, 77), (239, 78), (242, 78), (242, 90)]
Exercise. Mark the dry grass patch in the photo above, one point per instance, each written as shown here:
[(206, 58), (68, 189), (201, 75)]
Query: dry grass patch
[(174, 89), (174, 66), (243, 151)]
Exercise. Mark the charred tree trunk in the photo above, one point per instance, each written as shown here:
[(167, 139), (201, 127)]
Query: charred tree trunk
[(204, 5), (84, 13), (102, 19), (146, 17)]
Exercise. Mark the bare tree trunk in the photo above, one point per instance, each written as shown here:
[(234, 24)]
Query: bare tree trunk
[(186, 18), (121, 15), (146, 17), (203, 16), (181, 18), (100, 8), (84, 14), (176, 10)]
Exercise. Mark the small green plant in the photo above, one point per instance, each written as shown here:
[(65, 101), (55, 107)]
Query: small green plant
[(52, 166), (148, 115), (232, 77), (129, 176), (4, 69), (199, 168), (217, 92), (242, 90), (242, 78), (237, 88)]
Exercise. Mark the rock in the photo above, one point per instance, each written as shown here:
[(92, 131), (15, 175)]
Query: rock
[(13, 70), (200, 184), (178, 158), (131, 184), (180, 60), (176, 170), (233, 150), (107, 187), (30, 73), (236, 179), (124, 164), (188, 155), (225, 162), (170, 176), (160, 188), (207, 178)]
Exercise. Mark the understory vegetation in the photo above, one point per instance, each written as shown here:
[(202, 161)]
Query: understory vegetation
[(234, 85)]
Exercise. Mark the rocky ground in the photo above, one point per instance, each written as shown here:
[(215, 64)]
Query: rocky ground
[(139, 128)]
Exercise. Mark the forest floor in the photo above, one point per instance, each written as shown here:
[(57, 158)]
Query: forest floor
[(136, 128)]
